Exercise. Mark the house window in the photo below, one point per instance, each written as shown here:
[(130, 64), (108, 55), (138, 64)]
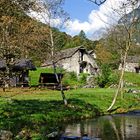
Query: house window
[(83, 65), (81, 69)]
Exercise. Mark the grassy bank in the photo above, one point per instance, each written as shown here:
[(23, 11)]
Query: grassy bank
[(70, 78), (131, 77), (37, 112)]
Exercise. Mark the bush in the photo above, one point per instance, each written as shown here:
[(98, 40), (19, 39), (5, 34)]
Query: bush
[(107, 77), (83, 78), (70, 79), (113, 78)]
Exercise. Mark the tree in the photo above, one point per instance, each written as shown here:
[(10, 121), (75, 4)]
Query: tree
[(102, 53), (123, 36), (98, 2), (53, 15), (82, 35), (14, 24)]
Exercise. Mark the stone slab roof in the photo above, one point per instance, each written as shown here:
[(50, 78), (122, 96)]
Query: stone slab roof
[(67, 53), (19, 65), (133, 59)]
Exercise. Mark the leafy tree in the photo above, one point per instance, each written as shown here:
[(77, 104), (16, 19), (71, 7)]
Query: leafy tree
[(103, 55), (82, 35), (51, 11), (14, 36), (123, 36), (103, 79)]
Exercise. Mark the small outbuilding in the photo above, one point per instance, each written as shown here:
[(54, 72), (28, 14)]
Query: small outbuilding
[(19, 72), (50, 80), (132, 64)]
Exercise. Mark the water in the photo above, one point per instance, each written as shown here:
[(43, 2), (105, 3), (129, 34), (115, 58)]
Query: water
[(116, 127)]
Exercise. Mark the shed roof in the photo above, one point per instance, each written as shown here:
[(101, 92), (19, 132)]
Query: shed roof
[(20, 64)]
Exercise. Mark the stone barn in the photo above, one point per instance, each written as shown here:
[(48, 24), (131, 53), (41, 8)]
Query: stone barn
[(77, 60), (132, 64), (19, 72)]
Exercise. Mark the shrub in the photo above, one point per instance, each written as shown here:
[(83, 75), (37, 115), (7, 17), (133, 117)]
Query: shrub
[(107, 77), (70, 78), (83, 78)]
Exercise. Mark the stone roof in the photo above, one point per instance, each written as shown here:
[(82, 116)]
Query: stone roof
[(20, 64), (67, 53), (133, 59)]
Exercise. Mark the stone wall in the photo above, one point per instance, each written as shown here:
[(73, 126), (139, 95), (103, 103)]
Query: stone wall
[(71, 64), (130, 67)]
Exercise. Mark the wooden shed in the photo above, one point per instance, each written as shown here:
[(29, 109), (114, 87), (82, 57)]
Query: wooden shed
[(19, 71), (50, 80)]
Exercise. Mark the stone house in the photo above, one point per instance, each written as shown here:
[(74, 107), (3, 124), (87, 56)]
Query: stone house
[(77, 60), (132, 64)]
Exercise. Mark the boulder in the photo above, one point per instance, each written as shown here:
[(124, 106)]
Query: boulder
[(5, 135)]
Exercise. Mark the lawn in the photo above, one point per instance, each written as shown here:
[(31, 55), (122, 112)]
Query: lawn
[(131, 77), (68, 77), (34, 75), (37, 112)]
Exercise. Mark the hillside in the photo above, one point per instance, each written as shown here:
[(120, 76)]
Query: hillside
[(29, 37)]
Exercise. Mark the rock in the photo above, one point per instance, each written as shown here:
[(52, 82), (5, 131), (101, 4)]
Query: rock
[(133, 91), (88, 86), (5, 135), (53, 134), (91, 82), (24, 134)]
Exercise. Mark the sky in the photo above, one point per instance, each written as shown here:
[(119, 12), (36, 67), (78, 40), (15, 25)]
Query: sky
[(92, 19), (84, 15), (79, 9)]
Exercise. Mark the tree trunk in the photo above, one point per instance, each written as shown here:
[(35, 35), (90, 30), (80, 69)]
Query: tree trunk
[(119, 89), (54, 68)]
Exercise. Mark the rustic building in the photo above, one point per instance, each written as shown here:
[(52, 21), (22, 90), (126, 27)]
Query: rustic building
[(78, 60), (132, 64), (19, 72)]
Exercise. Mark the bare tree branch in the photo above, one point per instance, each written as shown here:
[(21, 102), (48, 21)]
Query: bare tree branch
[(98, 2)]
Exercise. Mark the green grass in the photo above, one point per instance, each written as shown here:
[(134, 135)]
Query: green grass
[(132, 78), (69, 80), (40, 111), (37, 112), (34, 75)]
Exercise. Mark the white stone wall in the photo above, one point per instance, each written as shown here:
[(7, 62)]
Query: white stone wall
[(130, 67), (89, 59), (71, 64)]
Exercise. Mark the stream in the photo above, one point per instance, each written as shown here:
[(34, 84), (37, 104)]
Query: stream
[(110, 127)]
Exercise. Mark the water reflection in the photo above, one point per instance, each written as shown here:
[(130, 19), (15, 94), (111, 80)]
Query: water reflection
[(116, 127)]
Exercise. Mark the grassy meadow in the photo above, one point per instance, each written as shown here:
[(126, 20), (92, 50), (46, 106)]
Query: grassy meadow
[(132, 78), (38, 112), (35, 112)]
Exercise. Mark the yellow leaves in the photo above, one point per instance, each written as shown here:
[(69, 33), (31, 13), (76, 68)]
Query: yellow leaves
[(7, 20), (103, 55)]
